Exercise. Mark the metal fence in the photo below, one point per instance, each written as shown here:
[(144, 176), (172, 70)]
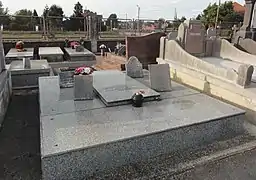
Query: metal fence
[(31, 27)]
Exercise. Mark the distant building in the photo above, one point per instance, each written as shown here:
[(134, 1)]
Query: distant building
[(238, 8)]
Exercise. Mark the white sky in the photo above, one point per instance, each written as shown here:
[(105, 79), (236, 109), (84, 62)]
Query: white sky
[(149, 9)]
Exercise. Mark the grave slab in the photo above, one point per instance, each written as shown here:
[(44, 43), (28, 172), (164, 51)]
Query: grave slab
[(85, 55), (14, 55), (78, 140), (23, 78), (52, 54), (116, 88)]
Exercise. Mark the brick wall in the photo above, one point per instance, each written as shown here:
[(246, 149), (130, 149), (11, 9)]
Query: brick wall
[(145, 48)]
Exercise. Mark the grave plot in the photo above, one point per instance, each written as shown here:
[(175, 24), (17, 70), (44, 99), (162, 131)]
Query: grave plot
[(116, 88), (52, 54), (13, 55), (82, 138), (82, 55), (27, 77)]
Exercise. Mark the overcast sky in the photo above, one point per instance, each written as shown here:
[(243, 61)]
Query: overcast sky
[(151, 9)]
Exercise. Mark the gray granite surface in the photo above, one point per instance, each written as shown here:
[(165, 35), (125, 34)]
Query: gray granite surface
[(91, 123), (13, 53), (81, 138), (45, 51), (115, 87), (37, 66), (73, 52)]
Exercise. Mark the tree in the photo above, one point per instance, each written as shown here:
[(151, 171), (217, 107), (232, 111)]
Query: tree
[(226, 14), (36, 20), (55, 14), (76, 21), (78, 10), (22, 21), (112, 21), (4, 19)]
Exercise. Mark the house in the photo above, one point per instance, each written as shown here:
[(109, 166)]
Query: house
[(239, 8)]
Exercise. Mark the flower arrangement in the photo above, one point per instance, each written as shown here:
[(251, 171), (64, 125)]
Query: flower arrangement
[(86, 70)]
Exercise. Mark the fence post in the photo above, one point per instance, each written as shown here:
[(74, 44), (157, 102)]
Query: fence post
[(44, 31)]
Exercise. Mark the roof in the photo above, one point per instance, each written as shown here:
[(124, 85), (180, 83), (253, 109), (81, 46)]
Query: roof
[(238, 8)]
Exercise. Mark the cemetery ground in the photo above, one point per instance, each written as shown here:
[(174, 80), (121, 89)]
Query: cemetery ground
[(20, 152)]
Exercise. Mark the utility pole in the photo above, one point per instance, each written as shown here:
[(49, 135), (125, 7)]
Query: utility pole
[(217, 16), (126, 22), (138, 19)]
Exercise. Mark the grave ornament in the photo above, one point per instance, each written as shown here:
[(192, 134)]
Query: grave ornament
[(137, 99)]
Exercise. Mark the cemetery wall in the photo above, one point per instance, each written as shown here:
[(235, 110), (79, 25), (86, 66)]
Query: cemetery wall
[(173, 51), (145, 48), (222, 48), (247, 45), (5, 93)]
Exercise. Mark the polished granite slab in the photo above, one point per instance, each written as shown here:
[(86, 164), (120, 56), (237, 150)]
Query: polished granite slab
[(73, 52), (44, 51), (13, 53), (37, 66), (116, 88), (79, 139)]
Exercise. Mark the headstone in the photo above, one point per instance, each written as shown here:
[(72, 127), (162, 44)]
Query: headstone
[(66, 79), (83, 87), (26, 63), (159, 76), (211, 33), (134, 68), (2, 57), (245, 72), (79, 48), (194, 37)]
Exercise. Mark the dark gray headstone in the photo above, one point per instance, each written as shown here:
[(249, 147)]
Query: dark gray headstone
[(159, 76), (83, 87), (66, 79), (134, 68)]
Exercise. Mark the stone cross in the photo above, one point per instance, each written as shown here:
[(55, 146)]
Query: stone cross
[(134, 68), (159, 76)]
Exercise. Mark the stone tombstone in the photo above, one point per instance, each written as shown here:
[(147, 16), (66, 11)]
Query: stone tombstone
[(66, 79), (26, 63), (2, 57), (134, 68), (83, 87), (79, 48), (159, 76), (194, 37), (211, 33), (245, 72)]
